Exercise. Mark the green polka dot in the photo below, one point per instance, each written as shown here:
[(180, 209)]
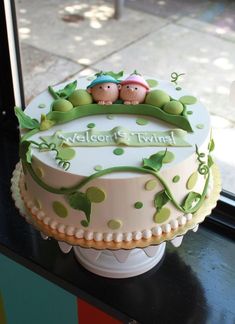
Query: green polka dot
[(188, 100), (91, 125), (66, 153), (118, 151), (138, 205), (142, 121), (98, 167), (38, 203), (178, 88), (162, 215), (152, 83), (200, 126), (176, 178), (150, 185), (114, 224), (110, 117), (60, 209), (39, 172), (190, 112), (95, 194), (169, 157), (192, 180), (41, 105)]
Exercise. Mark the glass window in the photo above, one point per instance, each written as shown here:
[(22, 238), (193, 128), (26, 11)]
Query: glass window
[(60, 39)]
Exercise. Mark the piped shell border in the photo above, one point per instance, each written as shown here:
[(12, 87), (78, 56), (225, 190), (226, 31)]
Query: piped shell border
[(158, 235)]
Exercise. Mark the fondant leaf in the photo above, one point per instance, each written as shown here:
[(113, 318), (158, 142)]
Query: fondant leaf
[(67, 90), (210, 161), (161, 199), (24, 120), (25, 152), (211, 145), (115, 75), (78, 200), (152, 83), (190, 199), (154, 162)]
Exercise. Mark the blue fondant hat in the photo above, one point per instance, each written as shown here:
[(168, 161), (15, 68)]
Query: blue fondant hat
[(102, 79)]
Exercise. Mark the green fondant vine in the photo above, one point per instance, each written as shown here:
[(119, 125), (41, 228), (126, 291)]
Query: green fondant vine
[(80, 201)]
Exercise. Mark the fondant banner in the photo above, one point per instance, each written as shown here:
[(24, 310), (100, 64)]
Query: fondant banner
[(118, 136)]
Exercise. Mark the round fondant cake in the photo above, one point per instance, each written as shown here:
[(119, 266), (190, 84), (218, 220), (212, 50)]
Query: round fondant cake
[(113, 160)]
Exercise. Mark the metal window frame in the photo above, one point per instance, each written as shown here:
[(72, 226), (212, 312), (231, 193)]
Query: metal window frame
[(12, 93)]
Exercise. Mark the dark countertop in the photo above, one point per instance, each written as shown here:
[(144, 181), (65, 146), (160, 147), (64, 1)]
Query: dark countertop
[(194, 283)]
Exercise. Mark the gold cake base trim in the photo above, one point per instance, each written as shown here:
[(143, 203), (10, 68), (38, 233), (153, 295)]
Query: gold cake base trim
[(198, 218)]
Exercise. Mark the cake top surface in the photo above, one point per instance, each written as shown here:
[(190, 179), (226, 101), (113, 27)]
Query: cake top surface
[(106, 140)]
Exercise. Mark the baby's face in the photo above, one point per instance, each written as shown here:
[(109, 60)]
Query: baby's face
[(133, 92), (106, 89)]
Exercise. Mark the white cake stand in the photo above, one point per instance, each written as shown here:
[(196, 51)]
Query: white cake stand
[(119, 263)]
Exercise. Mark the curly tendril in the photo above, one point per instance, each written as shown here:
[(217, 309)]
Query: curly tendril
[(52, 147), (203, 168), (175, 76)]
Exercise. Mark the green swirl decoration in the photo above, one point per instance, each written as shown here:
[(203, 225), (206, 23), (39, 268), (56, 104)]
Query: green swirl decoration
[(203, 168), (175, 76), (52, 147)]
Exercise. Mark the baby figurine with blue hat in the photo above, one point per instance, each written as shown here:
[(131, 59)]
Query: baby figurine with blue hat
[(104, 89)]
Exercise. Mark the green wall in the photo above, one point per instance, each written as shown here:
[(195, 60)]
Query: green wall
[(29, 299)]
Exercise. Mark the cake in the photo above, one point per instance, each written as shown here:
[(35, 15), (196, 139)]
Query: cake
[(115, 160)]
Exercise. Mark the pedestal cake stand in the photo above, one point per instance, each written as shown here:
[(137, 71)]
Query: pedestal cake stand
[(124, 259)]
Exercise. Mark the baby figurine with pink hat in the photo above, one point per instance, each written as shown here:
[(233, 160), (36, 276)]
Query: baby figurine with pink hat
[(133, 89)]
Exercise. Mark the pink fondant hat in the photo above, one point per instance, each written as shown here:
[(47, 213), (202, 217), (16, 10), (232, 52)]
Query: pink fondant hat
[(136, 79)]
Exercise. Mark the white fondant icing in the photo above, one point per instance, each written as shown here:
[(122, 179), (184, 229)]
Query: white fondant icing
[(98, 237), (174, 224), (70, 230), (127, 237), (40, 215), (79, 233), (53, 224), (108, 237), (166, 228), (46, 220), (189, 216), (157, 231), (182, 220), (147, 234), (34, 210), (88, 235), (30, 204), (137, 235), (61, 228), (117, 237)]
